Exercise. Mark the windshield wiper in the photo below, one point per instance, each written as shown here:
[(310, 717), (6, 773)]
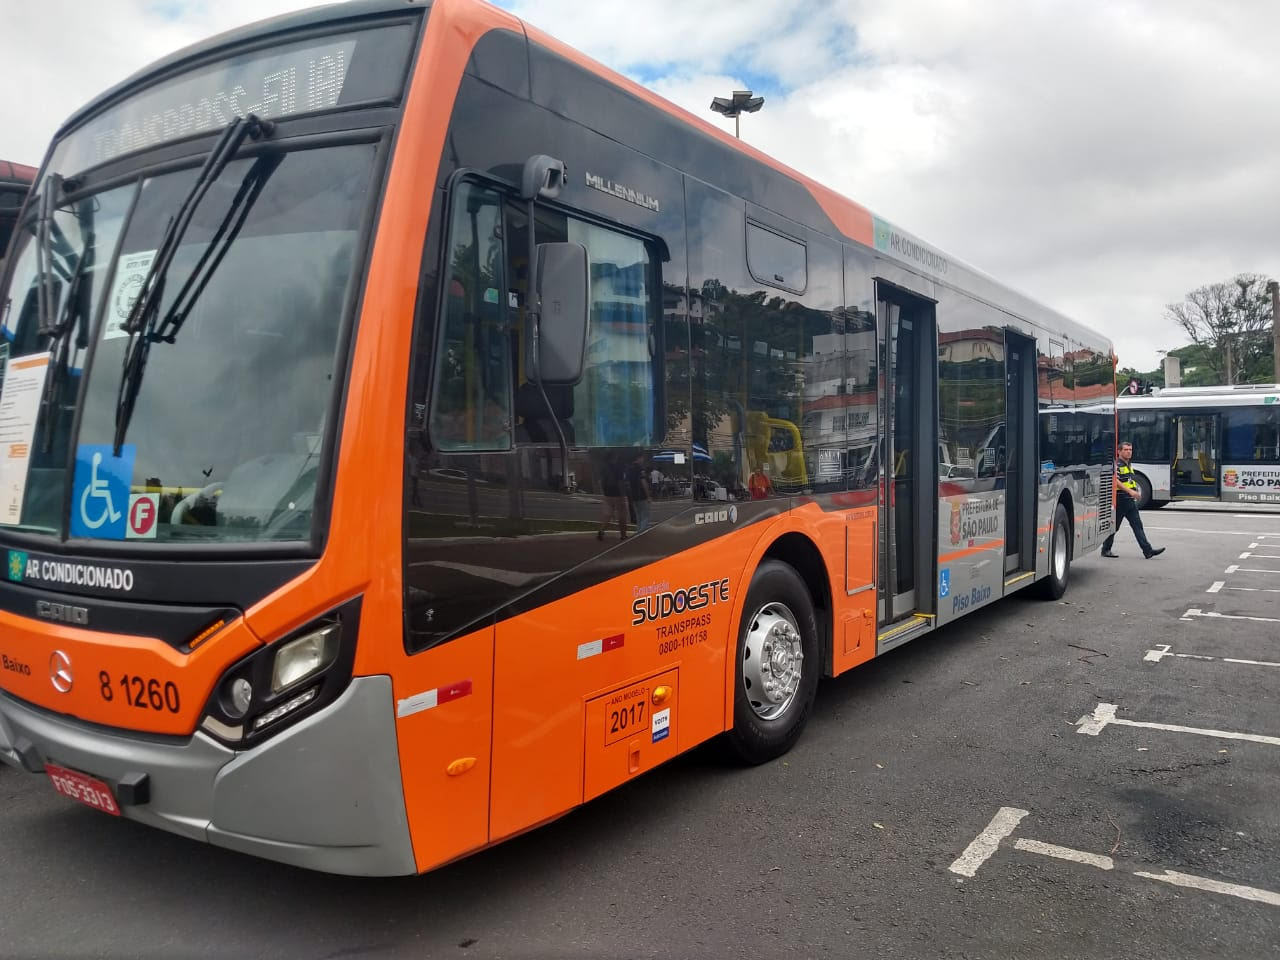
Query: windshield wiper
[(141, 322), (47, 233), (59, 332)]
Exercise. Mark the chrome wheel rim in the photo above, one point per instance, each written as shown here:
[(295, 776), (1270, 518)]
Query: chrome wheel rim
[(772, 661), (1059, 551)]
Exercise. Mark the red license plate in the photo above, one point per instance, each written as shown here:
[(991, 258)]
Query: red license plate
[(77, 786)]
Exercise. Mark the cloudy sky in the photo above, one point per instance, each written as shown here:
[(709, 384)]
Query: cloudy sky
[(1103, 157)]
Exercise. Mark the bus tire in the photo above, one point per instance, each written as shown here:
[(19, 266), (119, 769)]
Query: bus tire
[(1144, 491), (1054, 585), (776, 677)]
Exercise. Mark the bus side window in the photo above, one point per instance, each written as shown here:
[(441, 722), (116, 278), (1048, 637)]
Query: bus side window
[(617, 402), (471, 397)]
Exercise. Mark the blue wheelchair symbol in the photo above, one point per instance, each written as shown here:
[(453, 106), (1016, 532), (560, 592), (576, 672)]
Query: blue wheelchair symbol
[(100, 491), (944, 583)]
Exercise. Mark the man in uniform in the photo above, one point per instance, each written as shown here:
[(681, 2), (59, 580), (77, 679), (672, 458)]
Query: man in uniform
[(1127, 505)]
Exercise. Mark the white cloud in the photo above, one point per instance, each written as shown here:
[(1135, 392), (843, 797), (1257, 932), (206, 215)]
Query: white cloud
[(1105, 158)]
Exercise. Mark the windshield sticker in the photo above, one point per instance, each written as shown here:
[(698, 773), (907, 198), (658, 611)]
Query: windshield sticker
[(131, 272), (19, 408), (143, 511), (100, 491)]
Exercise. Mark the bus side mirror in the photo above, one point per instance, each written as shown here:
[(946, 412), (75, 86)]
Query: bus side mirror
[(557, 346)]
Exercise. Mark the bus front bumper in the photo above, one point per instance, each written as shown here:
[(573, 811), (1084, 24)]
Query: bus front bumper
[(325, 794)]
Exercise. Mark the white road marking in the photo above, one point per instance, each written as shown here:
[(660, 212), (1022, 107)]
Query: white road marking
[(1244, 556), (1197, 612), (1104, 714), (1217, 585), (1213, 886), (1163, 650), (1256, 589), (1007, 818), (1221, 533), (1256, 570), (1253, 546), (1266, 556), (985, 843), (1065, 853), (1232, 569)]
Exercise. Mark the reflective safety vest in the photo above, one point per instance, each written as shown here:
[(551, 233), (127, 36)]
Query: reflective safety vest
[(1125, 472)]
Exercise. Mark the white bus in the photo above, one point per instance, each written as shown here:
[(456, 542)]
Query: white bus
[(1205, 443)]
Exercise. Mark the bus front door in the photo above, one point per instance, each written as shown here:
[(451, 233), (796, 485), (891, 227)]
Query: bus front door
[(1019, 457), (909, 483), (1195, 457)]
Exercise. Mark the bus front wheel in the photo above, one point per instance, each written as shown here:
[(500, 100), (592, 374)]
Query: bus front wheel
[(777, 672), (1144, 491), (1054, 585)]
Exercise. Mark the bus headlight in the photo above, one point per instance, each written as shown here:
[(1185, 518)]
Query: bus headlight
[(278, 684), (239, 697), (305, 656)]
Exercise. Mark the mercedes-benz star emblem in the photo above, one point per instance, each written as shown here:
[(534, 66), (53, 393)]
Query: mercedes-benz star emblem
[(60, 674)]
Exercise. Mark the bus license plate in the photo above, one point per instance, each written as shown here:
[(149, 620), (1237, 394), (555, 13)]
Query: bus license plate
[(77, 786)]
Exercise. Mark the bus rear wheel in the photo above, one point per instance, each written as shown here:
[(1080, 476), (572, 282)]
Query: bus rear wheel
[(1054, 585), (776, 678)]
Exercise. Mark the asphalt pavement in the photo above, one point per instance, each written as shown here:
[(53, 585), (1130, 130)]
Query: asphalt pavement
[(1094, 777)]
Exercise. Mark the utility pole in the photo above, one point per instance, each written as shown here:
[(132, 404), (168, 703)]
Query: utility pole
[(1273, 288)]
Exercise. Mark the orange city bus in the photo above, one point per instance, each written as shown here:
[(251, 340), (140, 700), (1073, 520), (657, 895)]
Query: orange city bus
[(414, 430), (15, 179)]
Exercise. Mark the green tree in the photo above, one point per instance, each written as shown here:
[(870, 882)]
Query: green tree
[(1231, 320)]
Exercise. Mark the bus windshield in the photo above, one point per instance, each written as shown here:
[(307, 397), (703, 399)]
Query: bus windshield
[(224, 442)]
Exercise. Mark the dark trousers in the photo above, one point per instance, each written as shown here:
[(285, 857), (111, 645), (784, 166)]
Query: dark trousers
[(1127, 509)]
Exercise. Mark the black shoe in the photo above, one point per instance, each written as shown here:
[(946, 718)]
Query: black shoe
[(1156, 552), (1108, 553)]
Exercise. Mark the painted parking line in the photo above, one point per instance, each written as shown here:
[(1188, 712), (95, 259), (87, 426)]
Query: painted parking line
[(1249, 554), (1213, 614), (1065, 853), (985, 843), (1256, 589), (1163, 650), (1216, 586), (1104, 715), (1213, 886), (1220, 533), (1007, 819)]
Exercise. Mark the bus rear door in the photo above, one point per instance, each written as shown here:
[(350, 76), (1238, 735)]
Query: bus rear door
[(909, 494), (1195, 456)]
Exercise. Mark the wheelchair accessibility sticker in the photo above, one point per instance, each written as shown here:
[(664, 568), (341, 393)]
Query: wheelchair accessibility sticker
[(100, 501), (944, 582)]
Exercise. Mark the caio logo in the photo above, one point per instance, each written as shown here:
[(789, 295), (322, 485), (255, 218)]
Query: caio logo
[(726, 515)]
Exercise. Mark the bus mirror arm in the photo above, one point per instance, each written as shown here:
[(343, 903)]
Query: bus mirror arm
[(556, 333)]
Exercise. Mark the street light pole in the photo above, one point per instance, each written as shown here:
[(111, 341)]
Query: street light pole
[(741, 102), (1273, 288)]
